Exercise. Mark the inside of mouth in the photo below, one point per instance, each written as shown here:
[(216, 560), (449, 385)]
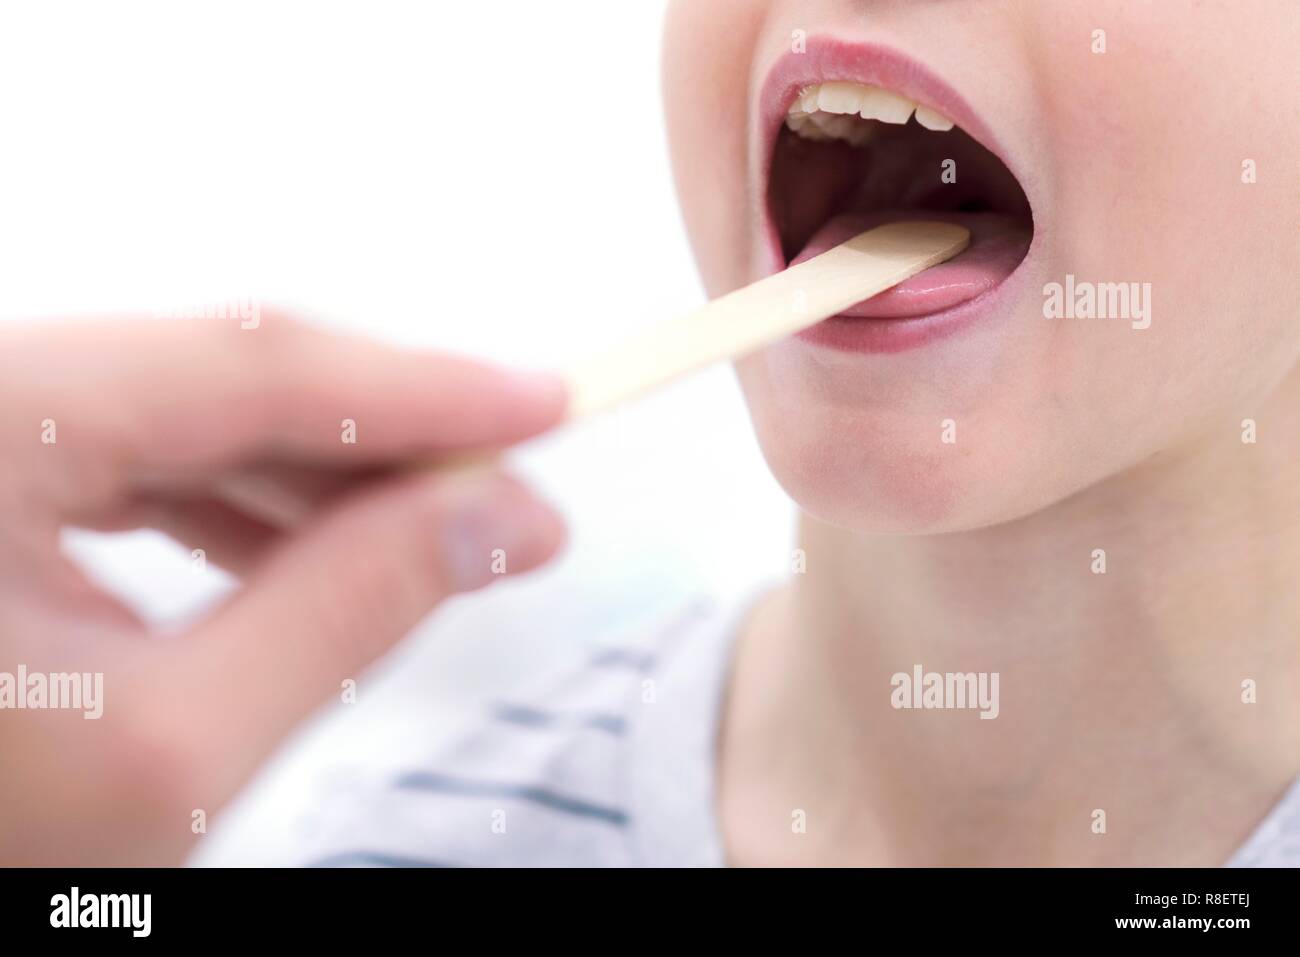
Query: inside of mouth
[(858, 173)]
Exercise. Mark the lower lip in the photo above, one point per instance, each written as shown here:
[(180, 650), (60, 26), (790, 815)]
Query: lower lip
[(884, 336), (939, 303)]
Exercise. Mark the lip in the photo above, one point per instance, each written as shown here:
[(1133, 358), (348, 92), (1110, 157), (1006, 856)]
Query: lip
[(828, 59)]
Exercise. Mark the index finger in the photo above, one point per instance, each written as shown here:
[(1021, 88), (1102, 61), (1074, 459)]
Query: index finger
[(198, 394)]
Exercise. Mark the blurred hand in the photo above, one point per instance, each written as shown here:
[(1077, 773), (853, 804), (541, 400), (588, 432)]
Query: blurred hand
[(279, 452)]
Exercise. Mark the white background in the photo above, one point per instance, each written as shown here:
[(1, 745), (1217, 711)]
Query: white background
[(485, 177)]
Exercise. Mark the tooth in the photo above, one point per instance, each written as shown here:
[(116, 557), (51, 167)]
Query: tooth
[(933, 119), (838, 109), (841, 126), (815, 133), (878, 104), (834, 124), (803, 124), (840, 97)]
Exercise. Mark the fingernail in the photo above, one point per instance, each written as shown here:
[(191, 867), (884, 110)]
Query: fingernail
[(495, 527)]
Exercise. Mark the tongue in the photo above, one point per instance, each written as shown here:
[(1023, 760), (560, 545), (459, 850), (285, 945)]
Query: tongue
[(998, 244)]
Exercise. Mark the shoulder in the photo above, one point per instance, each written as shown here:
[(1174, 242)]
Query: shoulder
[(556, 773)]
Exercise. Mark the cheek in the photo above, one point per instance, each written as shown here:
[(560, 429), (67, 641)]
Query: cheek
[(1154, 188), (707, 64)]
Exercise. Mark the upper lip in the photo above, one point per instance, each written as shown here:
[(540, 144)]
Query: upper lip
[(828, 59)]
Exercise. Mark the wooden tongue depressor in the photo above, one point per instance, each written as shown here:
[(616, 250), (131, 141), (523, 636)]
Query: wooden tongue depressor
[(747, 319), (770, 309), (728, 327)]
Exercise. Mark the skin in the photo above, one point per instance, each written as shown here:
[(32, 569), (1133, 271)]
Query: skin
[(230, 440), (1120, 692)]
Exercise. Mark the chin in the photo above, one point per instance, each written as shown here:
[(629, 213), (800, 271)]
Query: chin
[(876, 472)]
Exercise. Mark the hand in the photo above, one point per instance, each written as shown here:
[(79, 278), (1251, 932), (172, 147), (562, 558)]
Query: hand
[(234, 441)]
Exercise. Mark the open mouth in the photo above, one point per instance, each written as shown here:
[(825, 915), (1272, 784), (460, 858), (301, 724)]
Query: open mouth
[(852, 155)]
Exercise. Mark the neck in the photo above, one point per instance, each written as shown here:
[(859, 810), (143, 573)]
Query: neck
[(1124, 626)]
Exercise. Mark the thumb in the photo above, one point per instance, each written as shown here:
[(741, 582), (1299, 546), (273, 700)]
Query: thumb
[(351, 584)]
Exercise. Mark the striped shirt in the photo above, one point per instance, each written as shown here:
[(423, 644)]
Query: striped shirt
[(607, 762)]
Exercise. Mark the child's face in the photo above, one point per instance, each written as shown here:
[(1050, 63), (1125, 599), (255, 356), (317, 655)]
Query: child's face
[(1137, 163)]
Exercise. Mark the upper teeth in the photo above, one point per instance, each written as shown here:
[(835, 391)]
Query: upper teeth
[(830, 111)]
